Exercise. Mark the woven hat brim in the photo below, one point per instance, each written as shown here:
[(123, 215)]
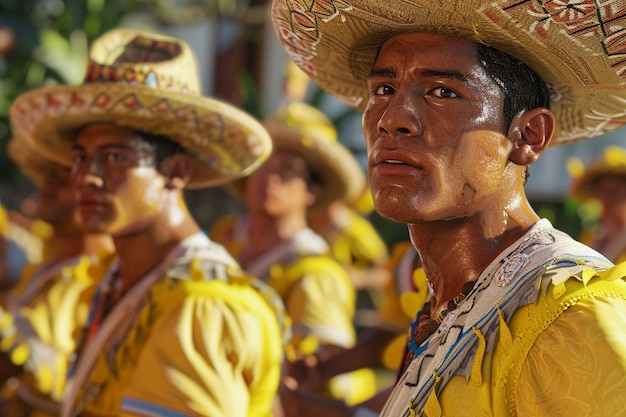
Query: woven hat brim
[(30, 162), (579, 52), (338, 170), (582, 187), (225, 142)]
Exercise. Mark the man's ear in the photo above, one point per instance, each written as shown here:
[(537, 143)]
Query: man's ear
[(315, 191), (531, 133), (177, 170)]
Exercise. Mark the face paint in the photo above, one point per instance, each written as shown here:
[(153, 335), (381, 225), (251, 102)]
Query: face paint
[(424, 163), (118, 187)]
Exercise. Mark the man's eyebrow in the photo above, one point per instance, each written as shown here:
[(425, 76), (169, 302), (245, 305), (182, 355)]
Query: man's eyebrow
[(424, 73), (76, 147), (381, 72), (451, 74)]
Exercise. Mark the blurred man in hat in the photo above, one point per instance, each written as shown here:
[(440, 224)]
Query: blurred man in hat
[(29, 307), (175, 327), (308, 168), (459, 98), (381, 346), (352, 239), (603, 183)]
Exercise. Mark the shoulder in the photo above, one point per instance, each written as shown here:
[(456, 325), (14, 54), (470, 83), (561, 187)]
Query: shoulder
[(235, 294), (588, 287), (308, 243), (581, 315), (585, 342), (315, 264)]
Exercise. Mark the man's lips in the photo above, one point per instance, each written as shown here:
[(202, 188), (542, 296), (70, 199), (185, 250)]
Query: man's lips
[(393, 167), (393, 163), (87, 204)]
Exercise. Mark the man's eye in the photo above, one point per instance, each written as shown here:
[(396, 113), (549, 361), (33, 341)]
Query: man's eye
[(383, 90), (78, 158), (444, 92), (115, 157)]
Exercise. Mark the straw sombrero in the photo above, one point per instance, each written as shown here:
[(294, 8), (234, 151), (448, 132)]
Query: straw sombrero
[(29, 161), (578, 48), (304, 130), (149, 83), (611, 162)]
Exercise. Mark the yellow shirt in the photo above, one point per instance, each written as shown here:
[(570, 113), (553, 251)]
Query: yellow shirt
[(195, 337), (354, 241), (48, 310), (543, 333), (196, 348), (320, 301), (318, 296), (572, 366)]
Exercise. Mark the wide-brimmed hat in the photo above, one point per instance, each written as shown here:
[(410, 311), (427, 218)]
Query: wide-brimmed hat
[(578, 48), (29, 161), (611, 162), (149, 83), (302, 129)]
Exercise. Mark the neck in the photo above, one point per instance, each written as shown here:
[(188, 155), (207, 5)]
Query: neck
[(142, 250), (265, 232), (456, 252)]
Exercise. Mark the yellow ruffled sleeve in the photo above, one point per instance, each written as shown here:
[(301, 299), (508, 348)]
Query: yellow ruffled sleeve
[(359, 244), (319, 299), (217, 352), (586, 352)]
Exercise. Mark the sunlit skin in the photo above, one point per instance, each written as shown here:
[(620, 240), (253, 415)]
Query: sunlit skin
[(440, 160), (120, 191), (277, 199)]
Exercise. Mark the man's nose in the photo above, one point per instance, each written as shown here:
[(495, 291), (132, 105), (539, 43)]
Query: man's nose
[(90, 172), (401, 117)]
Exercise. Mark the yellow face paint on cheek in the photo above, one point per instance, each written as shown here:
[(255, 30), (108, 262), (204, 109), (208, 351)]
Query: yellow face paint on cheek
[(481, 159), (137, 199)]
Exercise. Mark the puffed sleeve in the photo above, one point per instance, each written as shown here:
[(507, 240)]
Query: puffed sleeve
[(216, 353), (321, 302), (360, 244), (577, 366)]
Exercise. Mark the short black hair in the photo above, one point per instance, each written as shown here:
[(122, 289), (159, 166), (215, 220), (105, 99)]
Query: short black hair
[(162, 146), (523, 89)]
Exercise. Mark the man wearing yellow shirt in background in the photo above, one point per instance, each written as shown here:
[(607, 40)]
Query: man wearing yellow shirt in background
[(31, 312), (175, 327), (273, 240)]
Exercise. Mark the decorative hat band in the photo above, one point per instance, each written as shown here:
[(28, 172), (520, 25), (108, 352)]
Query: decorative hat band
[(147, 82), (138, 64)]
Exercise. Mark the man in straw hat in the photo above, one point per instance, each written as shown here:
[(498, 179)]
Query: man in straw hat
[(176, 327), (273, 240), (381, 346), (30, 311), (353, 240), (603, 183), (459, 98)]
